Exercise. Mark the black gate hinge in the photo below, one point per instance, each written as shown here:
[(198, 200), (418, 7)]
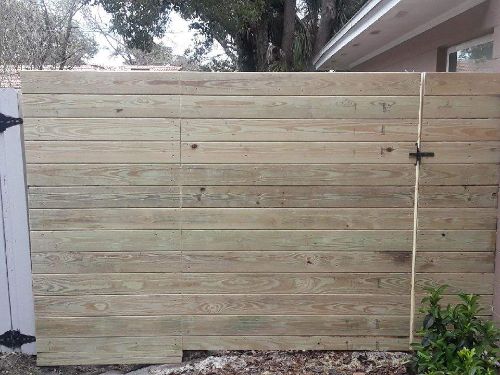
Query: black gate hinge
[(15, 339), (420, 154), (8, 121)]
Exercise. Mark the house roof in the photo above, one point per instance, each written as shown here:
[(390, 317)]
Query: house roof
[(383, 24)]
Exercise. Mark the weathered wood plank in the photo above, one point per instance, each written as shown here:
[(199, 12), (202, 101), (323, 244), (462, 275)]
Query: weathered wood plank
[(296, 218), (234, 283), (453, 106), (116, 326), (112, 345), (324, 325), (102, 174), (457, 218), (224, 218), (310, 261), (296, 152), (458, 196), (97, 152), (225, 174), (221, 84), (103, 358), (466, 130), (466, 262), (106, 262), (69, 105), (105, 218), (105, 240), (463, 152), (104, 197), (456, 240), (459, 174), (303, 240), (101, 129), (300, 107), (262, 283), (296, 196), (462, 84), (236, 304), (377, 343), (278, 130)]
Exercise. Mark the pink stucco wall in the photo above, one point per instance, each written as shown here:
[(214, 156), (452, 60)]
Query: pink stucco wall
[(421, 53)]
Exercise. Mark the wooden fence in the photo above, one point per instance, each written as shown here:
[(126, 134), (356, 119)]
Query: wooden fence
[(184, 211)]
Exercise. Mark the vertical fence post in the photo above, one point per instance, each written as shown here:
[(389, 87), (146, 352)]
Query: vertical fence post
[(15, 223)]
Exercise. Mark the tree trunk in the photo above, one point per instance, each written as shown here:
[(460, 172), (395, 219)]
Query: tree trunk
[(326, 22), (262, 44), (289, 13), (67, 35)]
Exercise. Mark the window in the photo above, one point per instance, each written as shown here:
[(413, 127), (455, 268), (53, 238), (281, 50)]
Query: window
[(473, 56)]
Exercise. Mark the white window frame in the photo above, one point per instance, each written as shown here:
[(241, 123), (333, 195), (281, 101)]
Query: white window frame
[(471, 43)]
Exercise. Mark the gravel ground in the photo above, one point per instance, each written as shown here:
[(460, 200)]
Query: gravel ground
[(232, 363)]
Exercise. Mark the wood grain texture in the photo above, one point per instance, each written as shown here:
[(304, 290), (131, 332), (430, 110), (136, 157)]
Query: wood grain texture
[(458, 196), (311, 130), (223, 283), (104, 197), (310, 261), (252, 283), (102, 358), (465, 130), (113, 106), (101, 129), (462, 84), (454, 106), (303, 240), (106, 262), (474, 262), (97, 152), (105, 240), (221, 84), (463, 152), (377, 343), (296, 196), (175, 304), (456, 240), (296, 152), (457, 218), (459, 174)]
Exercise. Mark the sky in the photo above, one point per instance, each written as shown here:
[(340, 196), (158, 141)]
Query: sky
[(178, 36)]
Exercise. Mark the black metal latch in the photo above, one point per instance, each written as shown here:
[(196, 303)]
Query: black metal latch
[(420, 154), (15, 339), (8, 121)]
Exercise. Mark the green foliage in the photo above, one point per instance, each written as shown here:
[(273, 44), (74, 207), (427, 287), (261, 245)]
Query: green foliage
[(455, 341)]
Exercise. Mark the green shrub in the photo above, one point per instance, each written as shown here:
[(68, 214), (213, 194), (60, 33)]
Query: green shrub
[(454, 340)]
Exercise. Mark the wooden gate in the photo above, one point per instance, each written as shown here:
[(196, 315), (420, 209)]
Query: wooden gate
[(182, 211)]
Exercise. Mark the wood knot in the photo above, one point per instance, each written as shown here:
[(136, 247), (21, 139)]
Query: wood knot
[(194, 145)]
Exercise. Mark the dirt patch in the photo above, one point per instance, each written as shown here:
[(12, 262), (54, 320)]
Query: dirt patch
[(235, 363)]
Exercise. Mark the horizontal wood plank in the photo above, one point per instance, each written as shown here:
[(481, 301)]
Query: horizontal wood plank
[(454, 106), (225, 218), (105, 240), (458, 196), (172, 304), (103, 358), (456, 240), (459, 174), (109, 106), (466, 262), (279, 130), (303, 240), (478, 283), (97, 152), (227, 174), (101, 129), (311, 261), (457, 218), (465, 130), (377, 343), (220, 84), (296, 196), (463, 152), (106, 262), (462, 83), (104, 196), (296, 152)]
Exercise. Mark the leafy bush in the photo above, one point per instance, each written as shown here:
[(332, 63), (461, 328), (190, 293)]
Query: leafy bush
[(454, 340)]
